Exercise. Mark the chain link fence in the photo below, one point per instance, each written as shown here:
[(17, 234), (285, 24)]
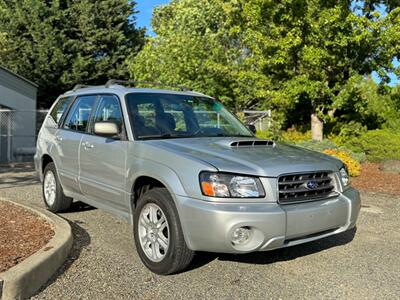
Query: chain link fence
[(18, 133), (261, 119)]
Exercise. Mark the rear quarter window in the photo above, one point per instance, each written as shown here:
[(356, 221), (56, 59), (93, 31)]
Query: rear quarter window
[(59, 109)]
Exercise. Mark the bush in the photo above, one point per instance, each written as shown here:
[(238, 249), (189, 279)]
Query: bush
[(292, 135), (265, 134), (346, 132), (303, 139), (317, 146), (352, 165), (378, 144), (328, 144), (358, 156)]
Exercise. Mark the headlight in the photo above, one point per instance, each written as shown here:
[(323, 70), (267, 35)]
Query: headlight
[(344, 175), (231, 186)]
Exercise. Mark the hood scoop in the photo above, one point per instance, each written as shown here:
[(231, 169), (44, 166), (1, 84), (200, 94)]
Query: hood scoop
[(253, 143)]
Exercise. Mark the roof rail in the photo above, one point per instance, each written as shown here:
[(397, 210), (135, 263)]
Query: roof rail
[(135, 83), (80, 86)]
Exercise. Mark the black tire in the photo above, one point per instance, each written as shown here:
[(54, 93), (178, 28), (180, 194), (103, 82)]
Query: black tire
[(61, 202), (178, 256)]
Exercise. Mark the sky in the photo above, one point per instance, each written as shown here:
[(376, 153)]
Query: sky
[(145, 8)]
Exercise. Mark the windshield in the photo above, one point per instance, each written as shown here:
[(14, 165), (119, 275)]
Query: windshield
[(155, 115)]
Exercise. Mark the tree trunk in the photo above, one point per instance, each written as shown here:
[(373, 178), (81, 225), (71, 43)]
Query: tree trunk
[(317, 128)]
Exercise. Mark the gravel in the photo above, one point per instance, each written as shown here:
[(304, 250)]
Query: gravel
[(360, 264)]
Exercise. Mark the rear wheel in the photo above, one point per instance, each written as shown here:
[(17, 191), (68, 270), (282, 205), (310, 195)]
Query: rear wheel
[(158, 234), (53, 195)]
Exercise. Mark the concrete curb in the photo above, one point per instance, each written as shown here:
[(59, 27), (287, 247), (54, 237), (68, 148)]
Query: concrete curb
[(24, 279)]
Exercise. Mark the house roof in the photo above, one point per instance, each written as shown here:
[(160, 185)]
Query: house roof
[(19, 76)]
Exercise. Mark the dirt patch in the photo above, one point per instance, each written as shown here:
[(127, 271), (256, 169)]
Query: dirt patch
[(21, 234), (375, 180)]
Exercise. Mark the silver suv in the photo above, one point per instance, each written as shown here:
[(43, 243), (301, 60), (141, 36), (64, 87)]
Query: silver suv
[(187, 174)]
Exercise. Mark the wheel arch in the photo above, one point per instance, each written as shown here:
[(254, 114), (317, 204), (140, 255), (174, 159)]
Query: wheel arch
[(141, 185), (144, 179), (46, 159)]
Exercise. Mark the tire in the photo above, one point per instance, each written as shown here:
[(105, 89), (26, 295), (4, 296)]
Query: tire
[(177, 256), (53, 195)]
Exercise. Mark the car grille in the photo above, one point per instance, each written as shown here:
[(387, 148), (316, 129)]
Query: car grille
[(302, 187)]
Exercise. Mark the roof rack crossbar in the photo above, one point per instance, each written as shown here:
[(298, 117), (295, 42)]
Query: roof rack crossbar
[(135, 83)]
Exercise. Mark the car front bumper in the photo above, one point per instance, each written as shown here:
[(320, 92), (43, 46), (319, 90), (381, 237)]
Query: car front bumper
[(208, 226)]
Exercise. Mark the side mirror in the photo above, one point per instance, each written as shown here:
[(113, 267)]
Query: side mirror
[(107, 129), (252, 128)]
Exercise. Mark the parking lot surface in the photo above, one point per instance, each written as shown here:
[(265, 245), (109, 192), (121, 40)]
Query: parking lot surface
[(360, 264)]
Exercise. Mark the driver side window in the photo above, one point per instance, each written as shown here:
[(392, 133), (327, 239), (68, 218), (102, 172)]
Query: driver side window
[(109, 110)]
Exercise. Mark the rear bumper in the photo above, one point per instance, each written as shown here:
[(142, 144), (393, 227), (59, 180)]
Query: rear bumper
[(208, 226)]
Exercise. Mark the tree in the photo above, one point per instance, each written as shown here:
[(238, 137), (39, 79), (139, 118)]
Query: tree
[(273, 54), (3, 41), (313, 51), (58, 44), (198, 44)]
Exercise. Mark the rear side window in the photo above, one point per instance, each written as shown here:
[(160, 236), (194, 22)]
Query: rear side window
[(79, 115), (60, 108)]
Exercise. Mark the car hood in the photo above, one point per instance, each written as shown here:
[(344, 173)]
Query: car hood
[(264, 160)]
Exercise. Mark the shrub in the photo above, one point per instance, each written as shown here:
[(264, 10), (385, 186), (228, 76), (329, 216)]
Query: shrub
[(378, 144), (328, 144), (352, 165), (346, 132), (292, 135), (265, 134), (358, 156), (317, 146)]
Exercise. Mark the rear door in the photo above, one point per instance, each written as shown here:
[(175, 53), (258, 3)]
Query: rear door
[(103, 159), (67, 141)]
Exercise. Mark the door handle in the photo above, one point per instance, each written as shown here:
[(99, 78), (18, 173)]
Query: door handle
[(87, 145), (58, 138)]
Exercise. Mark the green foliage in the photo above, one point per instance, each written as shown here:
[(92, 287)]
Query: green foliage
[(365, 104), (317, 146), (304, 48), (294, 136), (3, 42), (346, 132), (328, 145), (199, 44), (58, 44), (378, 145), (265, 134), (296, 57)]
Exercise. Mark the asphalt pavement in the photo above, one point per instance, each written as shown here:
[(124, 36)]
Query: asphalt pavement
[(359, 264)]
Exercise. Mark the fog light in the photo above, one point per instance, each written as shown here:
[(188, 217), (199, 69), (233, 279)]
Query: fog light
[(240, 235)]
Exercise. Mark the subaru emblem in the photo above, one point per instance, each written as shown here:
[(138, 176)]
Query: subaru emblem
[(312, 184)]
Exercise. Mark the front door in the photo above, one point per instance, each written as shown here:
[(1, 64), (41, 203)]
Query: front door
[(103, 160)]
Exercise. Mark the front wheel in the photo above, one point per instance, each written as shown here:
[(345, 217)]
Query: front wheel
[(158, 234)]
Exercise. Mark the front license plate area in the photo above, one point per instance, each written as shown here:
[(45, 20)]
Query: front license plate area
[(308, 218)]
